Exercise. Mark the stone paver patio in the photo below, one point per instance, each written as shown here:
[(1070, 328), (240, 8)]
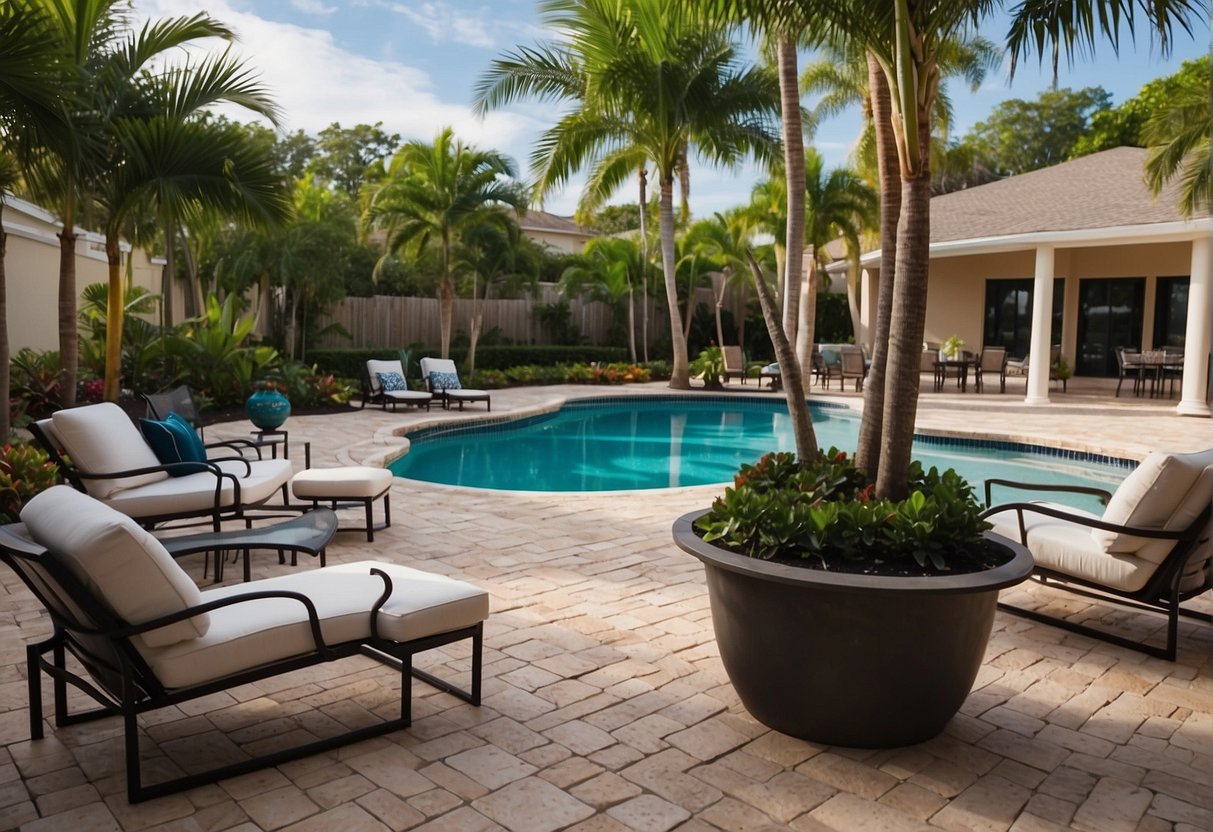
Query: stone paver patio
[(606, 708)]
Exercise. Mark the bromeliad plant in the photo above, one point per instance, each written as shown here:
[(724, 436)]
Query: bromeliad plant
[(823, 513)]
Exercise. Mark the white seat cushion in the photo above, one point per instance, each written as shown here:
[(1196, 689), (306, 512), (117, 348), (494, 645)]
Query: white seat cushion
[(125, 567), (408, 395), (357, 482), (100, 438), (467, 394), (375, 366), (1151, 496), (253, 633), (1070, 549), (196, 492)]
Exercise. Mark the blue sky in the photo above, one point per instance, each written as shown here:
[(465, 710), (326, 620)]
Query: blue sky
[(413, 65)]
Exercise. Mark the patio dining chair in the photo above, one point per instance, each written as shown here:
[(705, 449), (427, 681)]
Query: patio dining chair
[(993, 362), (831, 367), (1129, 364), (734, 363), (852, 366), (144, 637), (443, 379), (1150, 550)]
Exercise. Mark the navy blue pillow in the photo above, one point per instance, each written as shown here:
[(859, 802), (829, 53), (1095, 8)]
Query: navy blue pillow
[(173, 440)]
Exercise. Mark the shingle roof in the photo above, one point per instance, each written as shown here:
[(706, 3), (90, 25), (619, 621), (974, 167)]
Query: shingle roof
[(534, 220), (1103, 190)]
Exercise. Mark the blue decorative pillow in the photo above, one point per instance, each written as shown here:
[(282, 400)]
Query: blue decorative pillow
[(174, 440), (391, 382), (445, 381)]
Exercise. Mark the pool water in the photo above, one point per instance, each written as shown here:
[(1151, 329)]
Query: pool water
[(665, 442)]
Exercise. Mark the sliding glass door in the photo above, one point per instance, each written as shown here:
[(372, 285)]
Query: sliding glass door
[(1109, 316)]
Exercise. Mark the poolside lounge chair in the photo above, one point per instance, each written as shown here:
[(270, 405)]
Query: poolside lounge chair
[(101, 452), (147, 638), (992, 362), (734, 363), (1150, 550), (443, 379), (384, 383)]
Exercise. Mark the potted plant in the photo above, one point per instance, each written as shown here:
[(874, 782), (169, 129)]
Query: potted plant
[(952, 347), (843, 618), (709, 365)]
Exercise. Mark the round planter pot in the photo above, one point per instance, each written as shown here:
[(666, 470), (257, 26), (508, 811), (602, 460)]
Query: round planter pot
[(852, 660)]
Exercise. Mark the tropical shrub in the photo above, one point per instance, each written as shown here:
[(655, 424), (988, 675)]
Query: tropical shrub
[(709, 365), (35, 383), (214, 353), (25, 470)]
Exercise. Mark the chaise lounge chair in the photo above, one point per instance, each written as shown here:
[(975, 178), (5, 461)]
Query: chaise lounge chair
[(147, 638), (384, 383), (443, 379), (1150, 550), (101, 452)]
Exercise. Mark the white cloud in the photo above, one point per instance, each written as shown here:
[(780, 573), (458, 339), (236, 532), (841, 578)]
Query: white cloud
[(313, 7), (444, 23)]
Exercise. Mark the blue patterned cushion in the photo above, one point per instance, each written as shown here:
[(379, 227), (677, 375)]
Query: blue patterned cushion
[(391, 382), (445, 381), (174, 440)]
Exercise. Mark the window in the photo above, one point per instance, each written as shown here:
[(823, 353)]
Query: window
[(1171, 312), (1009, 314)]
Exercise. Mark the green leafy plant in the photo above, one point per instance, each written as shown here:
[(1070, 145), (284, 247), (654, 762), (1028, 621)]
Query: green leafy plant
[(215, 353), (952, 346), (1062, 369), (25, 470), (825, 511), (709, 365)]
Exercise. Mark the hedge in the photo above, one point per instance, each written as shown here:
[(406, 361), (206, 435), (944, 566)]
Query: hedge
[(351, 363)]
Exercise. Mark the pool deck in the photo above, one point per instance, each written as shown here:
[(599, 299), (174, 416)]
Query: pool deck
[(606, 708)]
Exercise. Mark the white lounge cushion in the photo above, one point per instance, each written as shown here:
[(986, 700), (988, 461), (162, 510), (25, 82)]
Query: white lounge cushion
[(101, 438), (1155, 496), (408, 395), (196, 492), (1069, 548), (375, 366), (252, 633), (468, 394), (127, 568), (359, 482)]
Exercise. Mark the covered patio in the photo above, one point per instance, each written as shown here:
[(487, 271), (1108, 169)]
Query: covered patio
[(606, 707)]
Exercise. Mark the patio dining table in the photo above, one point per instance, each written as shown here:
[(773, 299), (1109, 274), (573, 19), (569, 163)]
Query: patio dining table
[(1156, 366), (960, 365)]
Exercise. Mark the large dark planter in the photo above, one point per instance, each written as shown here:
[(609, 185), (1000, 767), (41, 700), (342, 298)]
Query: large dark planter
[(854, 660)]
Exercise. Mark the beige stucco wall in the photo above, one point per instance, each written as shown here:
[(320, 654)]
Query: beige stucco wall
[(565, 243), (956, 293), (32, 275)]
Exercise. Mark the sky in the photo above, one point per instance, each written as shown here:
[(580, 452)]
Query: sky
[(413, 65)]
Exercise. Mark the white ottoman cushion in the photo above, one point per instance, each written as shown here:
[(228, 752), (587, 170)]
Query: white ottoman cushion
[(252, 633), (355, 482)]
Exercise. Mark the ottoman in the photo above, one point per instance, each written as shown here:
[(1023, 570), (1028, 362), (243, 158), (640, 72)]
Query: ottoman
[(346, 487)]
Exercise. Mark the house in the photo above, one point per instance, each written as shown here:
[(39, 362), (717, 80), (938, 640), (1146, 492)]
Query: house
[(560, 234), (1112, 265)]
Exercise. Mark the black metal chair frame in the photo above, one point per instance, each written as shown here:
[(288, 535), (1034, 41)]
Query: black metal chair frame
[(217, 513), (1160, 594), (123, 683)]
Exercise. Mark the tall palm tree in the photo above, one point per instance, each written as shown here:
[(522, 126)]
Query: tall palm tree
[(434, 192), (647, 83), (609, 270)]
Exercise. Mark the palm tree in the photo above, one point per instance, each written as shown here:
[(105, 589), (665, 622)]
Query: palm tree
[(433, 193), (609, 270), (721, 240), (1179, 143), (647, 83)]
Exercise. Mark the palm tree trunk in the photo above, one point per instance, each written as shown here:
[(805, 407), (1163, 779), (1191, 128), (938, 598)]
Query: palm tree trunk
[(867, 455), (807, 317), (170, 271), (793, 160), (907, 321), (643, 177), (789, 369), (69, 349), (631, 324), (680, 375), (6, 426), (718, 286), (446, 298), (113, 320)]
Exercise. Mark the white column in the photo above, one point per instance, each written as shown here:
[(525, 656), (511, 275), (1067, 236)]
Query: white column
[(1194, 394), (1042, 319)]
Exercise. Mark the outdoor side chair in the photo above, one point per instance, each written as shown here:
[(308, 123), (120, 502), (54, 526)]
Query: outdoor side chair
[(993, 361), (1150, 550), (442, 378), (147, 638), (852, 366), (1129, 364), (734, 363)]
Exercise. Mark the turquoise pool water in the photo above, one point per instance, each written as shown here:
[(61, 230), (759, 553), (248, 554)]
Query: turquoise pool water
[(666, 442)]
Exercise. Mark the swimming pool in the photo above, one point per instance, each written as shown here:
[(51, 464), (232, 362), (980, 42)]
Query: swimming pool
[(647, 442)]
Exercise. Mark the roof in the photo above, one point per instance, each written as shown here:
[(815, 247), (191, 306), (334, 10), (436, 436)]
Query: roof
[(534, 220), (1103, 190)]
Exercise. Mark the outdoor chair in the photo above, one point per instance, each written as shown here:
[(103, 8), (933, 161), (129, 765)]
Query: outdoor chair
[(180, 400), (851, 366), (101, 452), (443, 379), (146, 638), (1019, 366), (384, 382), (1150, 550), (993, 361), (1128, 363), (734, 363), (831, 367)]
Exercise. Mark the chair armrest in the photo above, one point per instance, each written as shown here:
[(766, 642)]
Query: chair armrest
[(1090, 522), (248, 468), (190, 612), (1103, 495), (166, 467), (235, 445)]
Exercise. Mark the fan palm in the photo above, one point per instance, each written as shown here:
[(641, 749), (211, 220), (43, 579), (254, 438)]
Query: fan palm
[(433, 193), (646, 83)]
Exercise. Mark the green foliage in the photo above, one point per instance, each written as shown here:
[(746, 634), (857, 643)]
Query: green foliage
[(306, 386), (556, 322), (825, 509), (611, 219), (833, 321), (952, 346), (139, 335), (351, 363), (25, 470), (36, 382), (215, 356), (1125, 125), (709, 365)]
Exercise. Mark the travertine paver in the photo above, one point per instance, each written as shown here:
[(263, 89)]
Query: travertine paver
[(606, 708)]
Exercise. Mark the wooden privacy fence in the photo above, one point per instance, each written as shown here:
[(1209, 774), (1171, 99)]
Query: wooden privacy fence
[(388, 321)]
